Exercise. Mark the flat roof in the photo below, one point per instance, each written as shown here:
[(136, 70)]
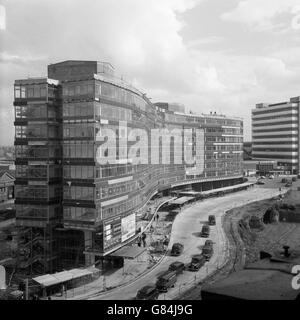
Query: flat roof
[(48, 280), (128, 252), (181, 200), (262, 280), (237, 186), (189, 193)]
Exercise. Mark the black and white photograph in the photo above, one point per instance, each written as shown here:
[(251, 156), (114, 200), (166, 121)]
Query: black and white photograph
[(149, 150)]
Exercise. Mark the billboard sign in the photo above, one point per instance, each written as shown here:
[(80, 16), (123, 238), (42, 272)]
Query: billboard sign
[(128, 226)]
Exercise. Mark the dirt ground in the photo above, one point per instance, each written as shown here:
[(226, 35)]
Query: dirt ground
[(275, 235)]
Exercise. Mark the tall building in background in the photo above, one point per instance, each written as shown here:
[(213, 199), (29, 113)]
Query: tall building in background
[(72, 209), (275, 133)]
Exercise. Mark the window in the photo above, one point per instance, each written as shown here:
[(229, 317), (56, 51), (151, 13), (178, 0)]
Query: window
[(23, 92), (17, 92), (37, 92), (43, 92), (30, 92)]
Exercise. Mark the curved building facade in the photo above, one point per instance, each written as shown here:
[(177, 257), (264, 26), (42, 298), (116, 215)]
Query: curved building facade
[(103, 183)]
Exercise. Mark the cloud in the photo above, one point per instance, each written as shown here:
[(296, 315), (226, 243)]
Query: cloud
[(2, 17), (261, 15), (144, 41)]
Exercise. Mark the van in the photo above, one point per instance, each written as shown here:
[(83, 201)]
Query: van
[(211, 220), (177, 266), (166, 281), (147, 293), (205, 231), (197, 262)]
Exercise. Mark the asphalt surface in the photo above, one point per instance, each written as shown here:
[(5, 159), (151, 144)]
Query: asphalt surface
[(186, 230)]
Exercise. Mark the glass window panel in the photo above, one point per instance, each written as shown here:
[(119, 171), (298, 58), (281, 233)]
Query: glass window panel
[(84, 172)]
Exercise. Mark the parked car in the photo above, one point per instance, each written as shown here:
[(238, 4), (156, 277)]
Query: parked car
[(208, 251), (205, 231), (288, 184), (177, 249), (262, 177), (197, 262), (211, 220), (271, 176), (177, 266), (147, 293), (208, 242), (260, 182), (166, 281)]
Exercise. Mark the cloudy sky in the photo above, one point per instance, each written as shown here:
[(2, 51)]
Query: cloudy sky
[(211, 55)]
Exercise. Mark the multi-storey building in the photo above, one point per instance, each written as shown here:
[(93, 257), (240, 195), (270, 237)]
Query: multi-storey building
[(275, 133), (90, 205), (38, 183)]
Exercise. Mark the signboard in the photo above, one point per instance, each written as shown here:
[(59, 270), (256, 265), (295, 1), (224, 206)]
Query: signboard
[(128, 227), (111, 233)]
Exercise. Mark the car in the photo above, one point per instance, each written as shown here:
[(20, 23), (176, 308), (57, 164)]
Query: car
[(288, 184), (260, 182), (197, 262), (177, 249), (166, 281), (205, 231), (211, 220), (148, 292), (207, 251), (284, 180), (208, 242), (294, 179), (271, 176), (262, 177), (177, 266)]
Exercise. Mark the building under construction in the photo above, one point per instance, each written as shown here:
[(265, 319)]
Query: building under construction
[(73, 210)]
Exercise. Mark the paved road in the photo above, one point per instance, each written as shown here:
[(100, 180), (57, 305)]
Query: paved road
[(186, 228)]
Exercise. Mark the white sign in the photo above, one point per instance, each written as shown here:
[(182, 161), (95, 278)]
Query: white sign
[(128, 227), (2, 278)]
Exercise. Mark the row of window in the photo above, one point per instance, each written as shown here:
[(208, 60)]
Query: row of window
[(81, 214), (82, 88), (83, 150), (34, 91), (37, 192), (223, 148), (37, 131), (79, 109), (117, 209), (34, 211), (223, 139), (37, 152), (82, 130), (78, 172), (79, 193), (36, 111), (39, 171)]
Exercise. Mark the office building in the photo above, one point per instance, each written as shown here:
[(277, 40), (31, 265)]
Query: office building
[(275, 134), (74, 210)]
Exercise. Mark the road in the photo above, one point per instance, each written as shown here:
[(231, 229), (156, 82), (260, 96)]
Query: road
[(186, 229)]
